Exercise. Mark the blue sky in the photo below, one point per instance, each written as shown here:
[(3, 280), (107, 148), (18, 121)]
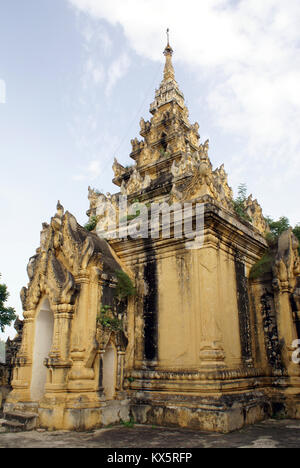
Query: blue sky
[(79, 74)]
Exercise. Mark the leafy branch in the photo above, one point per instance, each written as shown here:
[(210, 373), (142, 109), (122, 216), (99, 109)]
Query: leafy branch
[(264, 265), (279, 227), (239, 203), (125, 287), (107, 319), (92, 223), (7, 314)]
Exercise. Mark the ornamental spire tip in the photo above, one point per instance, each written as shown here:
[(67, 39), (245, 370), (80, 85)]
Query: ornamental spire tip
[(168, 50)]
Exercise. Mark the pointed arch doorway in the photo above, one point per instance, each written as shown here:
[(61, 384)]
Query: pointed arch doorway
[(44, 326)]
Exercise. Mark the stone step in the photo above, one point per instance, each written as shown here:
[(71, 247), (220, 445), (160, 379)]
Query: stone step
[(16, 421), (21, 416), (13, 426)]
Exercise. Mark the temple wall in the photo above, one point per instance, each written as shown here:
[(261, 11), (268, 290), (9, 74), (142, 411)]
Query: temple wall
[(177, 318), (193, 286), (196, 305)]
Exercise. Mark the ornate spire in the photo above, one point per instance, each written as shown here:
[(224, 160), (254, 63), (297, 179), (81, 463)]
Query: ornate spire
[(169, 73), (168, 91)]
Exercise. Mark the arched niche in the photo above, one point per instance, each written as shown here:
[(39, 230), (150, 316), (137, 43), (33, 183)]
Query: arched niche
[(44, 324), (164, 141), (109, 371)]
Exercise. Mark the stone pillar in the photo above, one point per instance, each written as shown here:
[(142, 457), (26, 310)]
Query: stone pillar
[(78, 333), (286, 327), (285, 271), (59, 361), (79, 373), (84, 345), (23, 363), (63, 317)]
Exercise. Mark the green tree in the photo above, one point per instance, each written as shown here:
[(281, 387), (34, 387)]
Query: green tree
[(7, 314), (279, 227), (296, 231), (264, 265)]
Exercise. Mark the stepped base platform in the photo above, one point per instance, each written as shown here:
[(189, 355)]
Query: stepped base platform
[(18, 421)]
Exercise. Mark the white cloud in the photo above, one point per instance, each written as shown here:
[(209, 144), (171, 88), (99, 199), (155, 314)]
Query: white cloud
[(96, 34), (101, 67), (116, 71), (90, 172), (94, 71), (252, 45), (247, 54)]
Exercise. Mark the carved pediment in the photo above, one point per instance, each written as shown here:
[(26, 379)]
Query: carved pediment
[(50, 278), (78, 246), (66, 250)]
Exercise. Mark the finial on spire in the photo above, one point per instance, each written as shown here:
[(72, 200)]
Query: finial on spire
[(168, 52)]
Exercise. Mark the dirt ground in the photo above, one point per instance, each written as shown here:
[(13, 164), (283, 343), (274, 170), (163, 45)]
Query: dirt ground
[(268, 434)]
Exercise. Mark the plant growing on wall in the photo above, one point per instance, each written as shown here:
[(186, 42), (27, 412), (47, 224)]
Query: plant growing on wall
[(130, 217), (111, 316), (263, 266), (125, 287), (135, 206), (107, 319), (90, 226), (164, 154), (239, 203)]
